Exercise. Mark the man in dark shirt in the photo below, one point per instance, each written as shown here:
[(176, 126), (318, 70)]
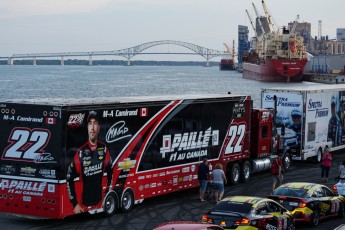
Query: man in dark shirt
[(203, 173), (90, 162)]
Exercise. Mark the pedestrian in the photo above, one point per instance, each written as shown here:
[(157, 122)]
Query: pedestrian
[(219, 179), (203, 175), (342, 170), (276, 171), (325, 165)]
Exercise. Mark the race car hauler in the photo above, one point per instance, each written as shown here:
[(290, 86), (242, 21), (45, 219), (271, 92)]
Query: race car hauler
[(59, 158), (313, 114)]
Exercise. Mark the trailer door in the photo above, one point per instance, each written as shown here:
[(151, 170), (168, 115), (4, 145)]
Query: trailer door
[(30, 144)]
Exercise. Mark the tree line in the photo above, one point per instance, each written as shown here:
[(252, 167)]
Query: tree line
[(110, 62)]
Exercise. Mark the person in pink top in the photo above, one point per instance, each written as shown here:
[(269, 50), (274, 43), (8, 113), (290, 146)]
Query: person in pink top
[(326, 164)]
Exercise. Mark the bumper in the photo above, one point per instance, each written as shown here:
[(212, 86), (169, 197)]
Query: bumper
[(302, 214)]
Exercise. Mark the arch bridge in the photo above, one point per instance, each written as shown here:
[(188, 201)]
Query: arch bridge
[(127, 53)]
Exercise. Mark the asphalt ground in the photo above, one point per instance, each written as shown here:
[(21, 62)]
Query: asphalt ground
[(183, 205)]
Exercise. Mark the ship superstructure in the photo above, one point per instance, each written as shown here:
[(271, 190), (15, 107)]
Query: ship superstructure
[(277, 54)]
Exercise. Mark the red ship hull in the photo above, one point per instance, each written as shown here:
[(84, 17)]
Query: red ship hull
[(275, 70), (226, 64)]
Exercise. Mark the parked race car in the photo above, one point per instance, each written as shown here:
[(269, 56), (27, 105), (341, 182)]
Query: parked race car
[(339, 188), (309, 202), (244, 213)]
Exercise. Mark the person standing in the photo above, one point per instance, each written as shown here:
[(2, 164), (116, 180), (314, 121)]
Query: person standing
[(218, 178), (89, 163), (342, 170), (276, 171), (203, 174), (325, 165)]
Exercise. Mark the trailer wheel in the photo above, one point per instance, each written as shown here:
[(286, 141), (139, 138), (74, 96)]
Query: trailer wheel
[(127, 201), (318, 156), (245, 171), (110, 205), (286, 161), (234, 174)]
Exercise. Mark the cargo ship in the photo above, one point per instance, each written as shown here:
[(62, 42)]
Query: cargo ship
[(226, 64), (278, 56)]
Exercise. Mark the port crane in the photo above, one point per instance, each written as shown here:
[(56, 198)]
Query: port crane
[(251, 22), (231, 51), (294, 26), (259, 19), (259, 40), (270, 20)]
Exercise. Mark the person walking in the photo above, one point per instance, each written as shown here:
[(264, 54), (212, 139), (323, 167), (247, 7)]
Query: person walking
[(325, 165), (219, 179), (203, 175), (342, 170), (276, 171)]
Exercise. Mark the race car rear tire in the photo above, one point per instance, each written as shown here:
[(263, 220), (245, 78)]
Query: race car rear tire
[(315, 218), (233, 174), (245, 171), (341, 211), (127, 201), (110, 205), (291, 226)]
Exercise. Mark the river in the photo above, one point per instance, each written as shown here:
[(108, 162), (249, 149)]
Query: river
[(27, 82)]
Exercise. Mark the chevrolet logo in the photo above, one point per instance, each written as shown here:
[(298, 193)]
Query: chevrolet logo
[(28, 170), (127, 164)]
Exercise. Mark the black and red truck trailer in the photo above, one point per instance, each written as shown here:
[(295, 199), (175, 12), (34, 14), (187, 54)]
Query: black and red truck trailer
[(51, 166)]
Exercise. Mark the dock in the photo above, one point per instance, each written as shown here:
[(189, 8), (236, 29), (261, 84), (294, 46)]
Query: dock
[(325, 78)]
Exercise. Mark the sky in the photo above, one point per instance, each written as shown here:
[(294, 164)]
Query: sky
[(48, 26)]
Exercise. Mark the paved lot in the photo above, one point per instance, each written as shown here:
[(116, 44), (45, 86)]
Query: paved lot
[(180, 206)]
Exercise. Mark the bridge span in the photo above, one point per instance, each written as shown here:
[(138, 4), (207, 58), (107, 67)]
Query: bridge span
[(127, 53)]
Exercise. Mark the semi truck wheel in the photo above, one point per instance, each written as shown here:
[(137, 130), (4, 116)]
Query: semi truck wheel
[(234, 174), (110, 205), (317, 158), (127, 201), (245, 171), (286, 161)]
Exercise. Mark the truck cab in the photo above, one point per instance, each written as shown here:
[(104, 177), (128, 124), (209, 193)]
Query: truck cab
[(261, 133)]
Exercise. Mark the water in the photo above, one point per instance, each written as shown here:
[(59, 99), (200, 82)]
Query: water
[(28, 82)]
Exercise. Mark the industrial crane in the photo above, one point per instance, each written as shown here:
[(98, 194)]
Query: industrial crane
[(259, 19), (251, 22), (259, 39), (294, 26), (231, 51), (270, 20)]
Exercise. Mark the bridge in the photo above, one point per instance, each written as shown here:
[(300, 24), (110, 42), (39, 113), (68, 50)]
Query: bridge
[(127, 53)]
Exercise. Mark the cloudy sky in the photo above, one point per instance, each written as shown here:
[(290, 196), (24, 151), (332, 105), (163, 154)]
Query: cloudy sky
[(40, 26)]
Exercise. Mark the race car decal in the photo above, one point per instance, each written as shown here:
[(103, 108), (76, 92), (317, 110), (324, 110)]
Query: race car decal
[(28, 145)]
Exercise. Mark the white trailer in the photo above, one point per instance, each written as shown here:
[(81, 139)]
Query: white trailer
[(314, 115)]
